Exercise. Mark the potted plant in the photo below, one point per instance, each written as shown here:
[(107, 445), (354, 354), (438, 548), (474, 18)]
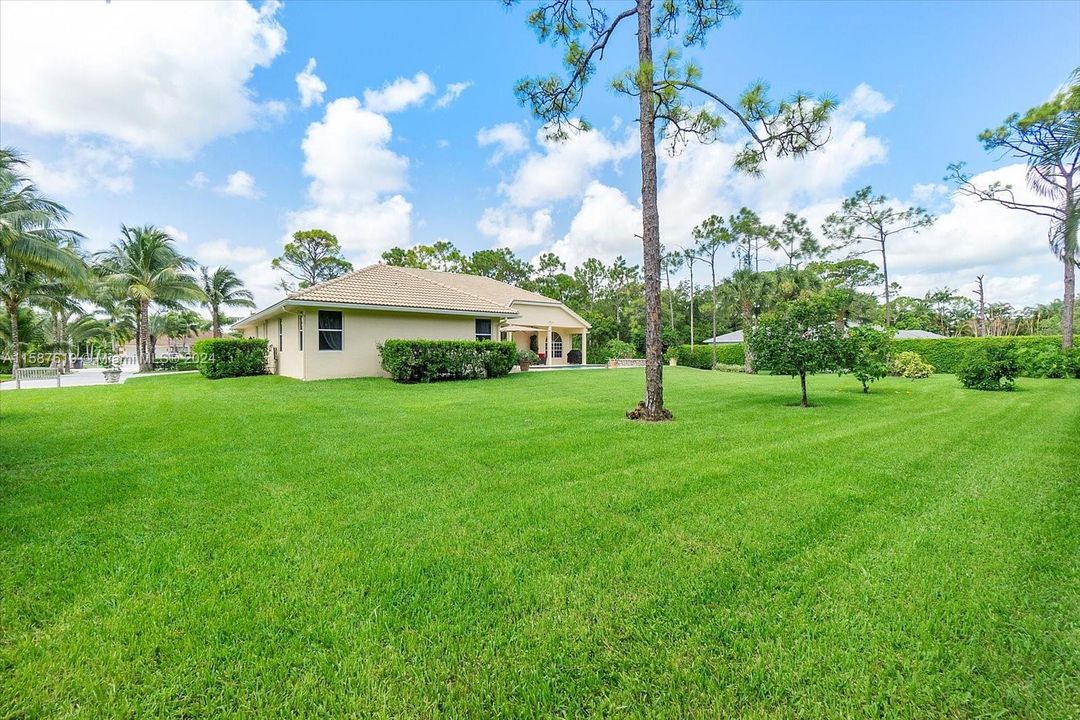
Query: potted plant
[(526, 358), (112, 370)]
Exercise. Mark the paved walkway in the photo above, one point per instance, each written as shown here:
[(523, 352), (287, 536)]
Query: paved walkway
[(88, 376)]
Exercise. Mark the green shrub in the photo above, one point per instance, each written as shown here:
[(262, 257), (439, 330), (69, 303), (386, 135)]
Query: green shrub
[(867, 350), (910, 365), (948, 354), (617, 350), (1048, 361), (230, 357), (990, 368), (527, 356), (700, 356), (727, 367), (176, 364), (422, 361)]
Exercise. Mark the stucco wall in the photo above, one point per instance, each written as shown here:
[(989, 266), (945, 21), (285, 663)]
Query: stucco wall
[(363, 331), (542, 315)]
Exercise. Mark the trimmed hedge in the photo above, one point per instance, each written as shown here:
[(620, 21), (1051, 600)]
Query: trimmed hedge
[(230, 357), (1035, 353), (176, 364), (422, 361), (700, 356)]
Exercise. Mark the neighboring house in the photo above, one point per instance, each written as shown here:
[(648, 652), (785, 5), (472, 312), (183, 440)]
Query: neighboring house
[(737, 337), (165, 346), (333, 329)]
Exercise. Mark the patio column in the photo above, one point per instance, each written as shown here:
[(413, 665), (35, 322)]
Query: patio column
[(584, 346), (547, 346)]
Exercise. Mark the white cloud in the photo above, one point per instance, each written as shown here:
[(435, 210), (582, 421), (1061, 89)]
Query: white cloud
[(356, 182), (604, 227), (507, 137), (442, 143), (346, 154), (165, 78), (199, 180), (515, 229), (399, 94), (453, 92), (310, 86), (972, 237), (85, 166), (240, 184), (250, 262), (176, 234), (564, 168)]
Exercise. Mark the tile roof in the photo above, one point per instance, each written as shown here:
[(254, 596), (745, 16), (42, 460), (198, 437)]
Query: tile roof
[(397, 287), (494, 290)]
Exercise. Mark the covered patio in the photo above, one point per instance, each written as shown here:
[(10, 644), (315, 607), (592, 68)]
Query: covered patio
[(552, 343)]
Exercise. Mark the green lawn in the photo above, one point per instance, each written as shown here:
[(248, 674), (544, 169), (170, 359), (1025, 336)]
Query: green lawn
[(176, 547)]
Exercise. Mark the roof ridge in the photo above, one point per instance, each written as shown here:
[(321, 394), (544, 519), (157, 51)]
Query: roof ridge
[(496, 280), (331, 281), (451, 287)]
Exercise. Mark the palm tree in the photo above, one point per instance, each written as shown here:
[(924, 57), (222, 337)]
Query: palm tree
[(28, 232), (144, 267), (223, 288), (17, 286), (748, 291)]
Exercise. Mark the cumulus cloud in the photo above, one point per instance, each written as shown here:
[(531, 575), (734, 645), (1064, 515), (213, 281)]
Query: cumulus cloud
[(85, 166), (606, 226), (508, 139), (451, 93), (972, 237), (310, 86), (240, 184), (356, 181), (515, 229), (562, 170), (165, 78), (250, 262), (199, 180), (399, 94)]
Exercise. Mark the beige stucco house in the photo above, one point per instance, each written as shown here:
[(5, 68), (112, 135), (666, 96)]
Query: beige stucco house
[(332, 330)]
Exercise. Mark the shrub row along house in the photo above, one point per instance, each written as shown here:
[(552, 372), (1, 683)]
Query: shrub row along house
[(333, 329)]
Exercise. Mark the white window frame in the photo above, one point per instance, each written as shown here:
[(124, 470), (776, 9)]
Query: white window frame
[(556, 345), (281, 334), (320, 330), (300, 330)]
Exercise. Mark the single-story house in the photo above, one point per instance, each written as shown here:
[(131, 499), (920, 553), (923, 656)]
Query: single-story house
[(333, 329), (736, 336)]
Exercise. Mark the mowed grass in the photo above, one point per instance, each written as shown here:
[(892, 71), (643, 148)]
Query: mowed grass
[(176, 547)]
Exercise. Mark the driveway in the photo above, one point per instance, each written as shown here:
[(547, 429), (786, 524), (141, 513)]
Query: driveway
[(88, 376)]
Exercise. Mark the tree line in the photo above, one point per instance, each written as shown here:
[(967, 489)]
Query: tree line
[(59, 299)]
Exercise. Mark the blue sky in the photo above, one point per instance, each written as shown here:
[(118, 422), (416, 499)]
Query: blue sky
[(130, 105)]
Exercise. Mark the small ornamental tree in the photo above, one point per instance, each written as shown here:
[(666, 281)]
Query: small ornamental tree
[(799, 338), (868, 354)]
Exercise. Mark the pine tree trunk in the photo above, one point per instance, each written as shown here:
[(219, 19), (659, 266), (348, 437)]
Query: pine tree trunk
[(13, 313), (713, 297), (144, 336), (802, 381), (885, 273), (691, 303), (1068, 308), (652, 407)]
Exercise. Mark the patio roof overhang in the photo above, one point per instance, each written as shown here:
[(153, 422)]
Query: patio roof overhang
[(511, 327)]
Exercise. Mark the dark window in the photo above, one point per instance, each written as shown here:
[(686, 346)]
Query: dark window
[(300, 330), (330, 330), (280, 334), (483, 329)]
